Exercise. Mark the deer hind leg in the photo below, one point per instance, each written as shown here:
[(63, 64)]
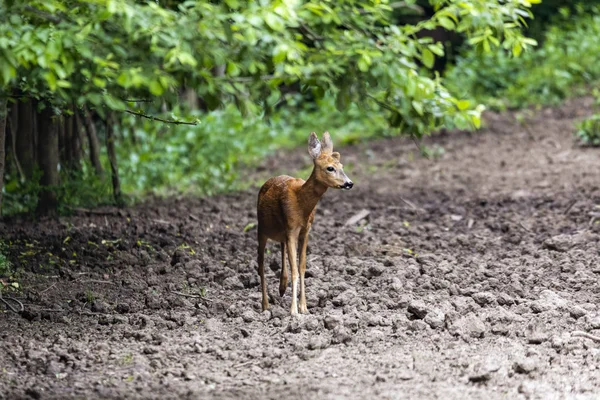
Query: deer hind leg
[(262, 243), (283, 279), (292, 244), (303, 243)]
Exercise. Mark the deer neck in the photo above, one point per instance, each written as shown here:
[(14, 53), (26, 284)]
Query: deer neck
[(310, 193)]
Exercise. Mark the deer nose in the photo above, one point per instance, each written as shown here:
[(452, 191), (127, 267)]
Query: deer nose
[(348, 185)]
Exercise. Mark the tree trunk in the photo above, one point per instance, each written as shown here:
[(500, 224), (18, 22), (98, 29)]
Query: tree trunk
[(36, 126), (63, 155), (48, 157), (190, 97), (70, 145), (3, 119), (112, 157), (68, 122), (76, 140), (24, 138), (93, 142), (12, 126)]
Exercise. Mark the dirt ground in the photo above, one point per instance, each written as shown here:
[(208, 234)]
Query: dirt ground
[(465, 281)]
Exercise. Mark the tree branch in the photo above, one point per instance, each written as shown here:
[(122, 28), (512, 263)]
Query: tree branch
[(166, 121), (44, 15)]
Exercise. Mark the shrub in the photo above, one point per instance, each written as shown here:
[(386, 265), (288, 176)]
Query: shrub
[(207, 158), (564, 65), (5, 264), (588, 131)]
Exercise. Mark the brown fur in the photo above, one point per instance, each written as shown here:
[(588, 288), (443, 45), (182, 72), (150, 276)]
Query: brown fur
[(286, 210)]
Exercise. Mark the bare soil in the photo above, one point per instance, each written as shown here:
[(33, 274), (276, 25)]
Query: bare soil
[(465, 281)]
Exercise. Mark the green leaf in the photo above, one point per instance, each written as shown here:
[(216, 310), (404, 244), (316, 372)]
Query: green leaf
[(51, 80), (418, 106), (99, 82), (232, 4), (363, 65), (280, 53), (447, 23), (156, 88), (517, 49), (232, 69), (63, 84), (187, 59), (428, 58), (274, 22), (463, 104), (123, 80)]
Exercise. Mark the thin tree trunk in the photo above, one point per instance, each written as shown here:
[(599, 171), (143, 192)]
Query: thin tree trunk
[(48, 157), (68, 123), (36, 135), (77, 142), (112, 157), (13, 127), (3, 119), (191, 98), (63, 155), (24, 138), (71, 146), (93, 142)]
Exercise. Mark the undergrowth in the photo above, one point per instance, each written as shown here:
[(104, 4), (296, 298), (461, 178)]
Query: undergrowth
[(205, 159), (5, 264), (588, 131), (566, 64)]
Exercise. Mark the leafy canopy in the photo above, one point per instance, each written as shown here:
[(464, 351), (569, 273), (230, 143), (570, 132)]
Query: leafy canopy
[(103, 52)]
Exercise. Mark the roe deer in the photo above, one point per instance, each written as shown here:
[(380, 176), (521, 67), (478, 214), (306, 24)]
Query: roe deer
[(286, 211)]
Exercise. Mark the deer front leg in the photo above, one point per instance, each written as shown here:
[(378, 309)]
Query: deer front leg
[(292, 244), (303, 245)]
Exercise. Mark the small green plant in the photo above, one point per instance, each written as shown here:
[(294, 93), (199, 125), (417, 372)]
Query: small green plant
[(588, 131), (89, 296), (127, 359), (5, 264), (433, 152)]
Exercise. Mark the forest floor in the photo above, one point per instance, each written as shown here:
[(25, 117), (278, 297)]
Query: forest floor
[(466, 280)]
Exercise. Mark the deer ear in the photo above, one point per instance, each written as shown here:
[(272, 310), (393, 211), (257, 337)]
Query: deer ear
[(314, 146), (336, 155), (327, 143)]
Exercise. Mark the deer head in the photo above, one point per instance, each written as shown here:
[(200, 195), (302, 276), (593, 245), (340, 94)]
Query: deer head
[(328, 170)]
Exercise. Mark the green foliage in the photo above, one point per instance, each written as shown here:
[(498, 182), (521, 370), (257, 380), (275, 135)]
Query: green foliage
[(207, 158), (5, 264), (436, 151), (566, 63), (546, 14), (360, 71), (588, 131), (20, 196), (77, 189), (99, 53)]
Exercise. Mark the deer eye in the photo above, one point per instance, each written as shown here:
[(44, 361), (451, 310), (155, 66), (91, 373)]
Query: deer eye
[(330, 169)]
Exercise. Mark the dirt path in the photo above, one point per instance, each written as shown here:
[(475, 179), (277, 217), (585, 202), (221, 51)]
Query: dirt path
[(465, 281)]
